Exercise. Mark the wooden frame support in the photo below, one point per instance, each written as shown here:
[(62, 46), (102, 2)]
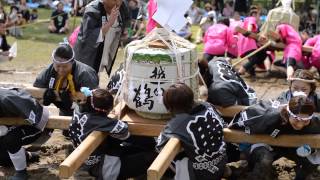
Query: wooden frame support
[(173, 146), (80, 154), (164, 159), (145, 127), (55, 122), (34, 91)]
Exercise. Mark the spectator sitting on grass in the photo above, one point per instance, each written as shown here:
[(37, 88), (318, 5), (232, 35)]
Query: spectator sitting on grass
[(33, 15), (24, 10), (14, 21), (4, 46), (59, 20)]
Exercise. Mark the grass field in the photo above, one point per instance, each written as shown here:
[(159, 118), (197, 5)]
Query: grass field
[(36, 45)]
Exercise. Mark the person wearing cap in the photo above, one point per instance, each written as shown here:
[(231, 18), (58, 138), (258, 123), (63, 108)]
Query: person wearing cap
[(63, 79), (19, 103), (98, 40), (266, 117), (59, 20)]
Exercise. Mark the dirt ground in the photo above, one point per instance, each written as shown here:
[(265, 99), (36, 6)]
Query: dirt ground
[(53, 152)]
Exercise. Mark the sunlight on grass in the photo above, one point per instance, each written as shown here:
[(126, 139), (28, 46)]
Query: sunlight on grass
[(36, 45)]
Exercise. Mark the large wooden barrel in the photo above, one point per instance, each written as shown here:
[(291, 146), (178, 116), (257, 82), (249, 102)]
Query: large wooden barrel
[(152, 68)]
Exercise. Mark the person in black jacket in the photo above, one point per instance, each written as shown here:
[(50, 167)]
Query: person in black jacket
[(199, 127), (92, 115), (303, 81), (225, 86), (18, 103), (63, 79), (121, 156), (99, 37), (297, 117)]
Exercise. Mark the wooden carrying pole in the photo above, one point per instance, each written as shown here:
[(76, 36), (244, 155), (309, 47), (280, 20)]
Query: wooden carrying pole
[(153, 128), (172, 148), (164, 159), (81, 153), (55, 122), (253, 53)]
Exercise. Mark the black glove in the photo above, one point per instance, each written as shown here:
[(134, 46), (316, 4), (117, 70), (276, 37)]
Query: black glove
[(49, 97), (66, 102)]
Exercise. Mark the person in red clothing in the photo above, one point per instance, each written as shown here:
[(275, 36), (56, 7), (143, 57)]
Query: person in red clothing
[(216, 39), (246, 45), (312, 61), (292, 56)]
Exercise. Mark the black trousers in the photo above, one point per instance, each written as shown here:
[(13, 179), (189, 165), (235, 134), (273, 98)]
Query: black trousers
[(15, 139), (256, 59), (136, 155)]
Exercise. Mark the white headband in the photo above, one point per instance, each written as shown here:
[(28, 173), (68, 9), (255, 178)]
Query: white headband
[(63, 62), (303, 80), (297, 117)]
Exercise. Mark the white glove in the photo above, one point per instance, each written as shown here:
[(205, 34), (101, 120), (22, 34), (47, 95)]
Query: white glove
[(3, 130), (304, 150)]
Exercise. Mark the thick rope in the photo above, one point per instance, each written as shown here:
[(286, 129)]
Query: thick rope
[(253, 53), (157, 34)]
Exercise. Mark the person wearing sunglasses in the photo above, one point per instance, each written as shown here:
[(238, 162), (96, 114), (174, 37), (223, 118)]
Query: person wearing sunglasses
[(15, 102), (296, 117)]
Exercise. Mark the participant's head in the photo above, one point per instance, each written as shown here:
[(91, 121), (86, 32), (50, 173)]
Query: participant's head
[(224, 20), (109, 4), (178, 98), (133, 4), (304, 36), (253, 11), (99, 100), (236, 16), (298, 112), (63, 58), (304, 81), (208, 7), (60, 6), (14, 9), (286, 3)]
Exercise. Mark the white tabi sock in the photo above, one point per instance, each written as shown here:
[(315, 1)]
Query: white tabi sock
[(19, 159)]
